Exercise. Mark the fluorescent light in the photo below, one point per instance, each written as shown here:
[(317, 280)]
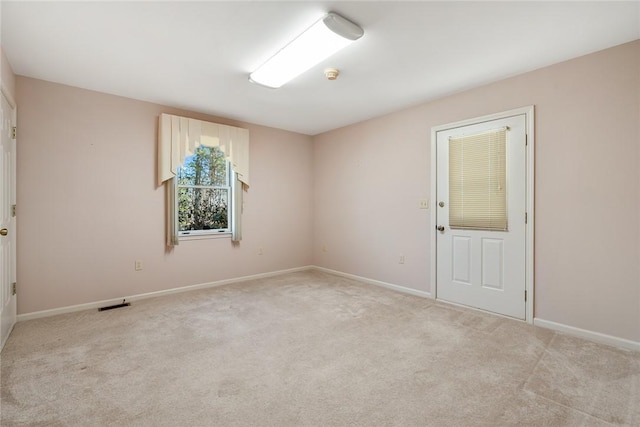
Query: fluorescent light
[(324, 38)]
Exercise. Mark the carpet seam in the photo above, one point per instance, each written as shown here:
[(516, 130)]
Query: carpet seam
[(544, 351), (569, 407)]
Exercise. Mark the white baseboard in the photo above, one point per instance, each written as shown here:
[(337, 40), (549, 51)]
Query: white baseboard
[(571, 330), (590, 335), (391, 286), (131, 298)]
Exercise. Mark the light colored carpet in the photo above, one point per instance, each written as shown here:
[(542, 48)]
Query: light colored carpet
[(308, 349)]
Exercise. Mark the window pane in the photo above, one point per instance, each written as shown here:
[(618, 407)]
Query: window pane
[(207, 166), (477, 181), (203, 208)]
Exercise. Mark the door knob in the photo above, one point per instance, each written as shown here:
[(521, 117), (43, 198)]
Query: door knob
[(4, 232), (441, 204), (440, 228)]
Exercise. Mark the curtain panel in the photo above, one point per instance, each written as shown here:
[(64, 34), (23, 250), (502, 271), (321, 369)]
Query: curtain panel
[(178, 138)]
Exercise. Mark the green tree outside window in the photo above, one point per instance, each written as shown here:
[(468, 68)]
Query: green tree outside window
[(204, 191)]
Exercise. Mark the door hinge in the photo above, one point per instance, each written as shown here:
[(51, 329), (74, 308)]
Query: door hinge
[(525, 295), (13, 288), (526, 218), (13, 210), (526, 139), (13, 132)]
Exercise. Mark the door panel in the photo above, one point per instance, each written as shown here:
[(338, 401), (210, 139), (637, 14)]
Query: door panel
[(493, 263), (461, 259), (478, 267)]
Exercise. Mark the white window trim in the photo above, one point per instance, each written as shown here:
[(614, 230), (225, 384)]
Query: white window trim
[(218, 235)]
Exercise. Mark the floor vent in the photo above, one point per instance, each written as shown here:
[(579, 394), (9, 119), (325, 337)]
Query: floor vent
[(111, 307)]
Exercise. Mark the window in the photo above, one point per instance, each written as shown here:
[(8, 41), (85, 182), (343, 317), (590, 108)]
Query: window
[(203, 193), (204, 168)]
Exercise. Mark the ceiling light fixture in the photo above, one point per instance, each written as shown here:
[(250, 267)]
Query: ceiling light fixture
[(324, 38)]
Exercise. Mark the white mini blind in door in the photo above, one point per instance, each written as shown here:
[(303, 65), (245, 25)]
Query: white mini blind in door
[(477, 181)]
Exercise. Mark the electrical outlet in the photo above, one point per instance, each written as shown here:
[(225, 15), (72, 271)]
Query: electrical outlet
[(401, 259), (138, 265), (424, 203)]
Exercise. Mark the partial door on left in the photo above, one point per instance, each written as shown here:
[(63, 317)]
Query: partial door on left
[(7, 221)]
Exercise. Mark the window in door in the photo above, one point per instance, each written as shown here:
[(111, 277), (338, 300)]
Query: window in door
[(477, 181)]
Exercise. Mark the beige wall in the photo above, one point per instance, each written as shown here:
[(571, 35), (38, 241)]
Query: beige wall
[(370, 176), (89, 207)]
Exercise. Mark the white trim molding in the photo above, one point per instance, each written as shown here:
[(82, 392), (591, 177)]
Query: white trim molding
[(398, 288), (131, 298), (530, 197), (589, 335)]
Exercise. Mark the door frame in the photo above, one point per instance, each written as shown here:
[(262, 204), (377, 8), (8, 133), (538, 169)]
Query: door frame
[(530, 171)]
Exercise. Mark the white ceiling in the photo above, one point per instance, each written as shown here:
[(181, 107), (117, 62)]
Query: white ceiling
[(197, 55)]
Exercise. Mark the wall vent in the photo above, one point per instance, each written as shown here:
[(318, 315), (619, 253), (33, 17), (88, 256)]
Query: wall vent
[(111, 307)]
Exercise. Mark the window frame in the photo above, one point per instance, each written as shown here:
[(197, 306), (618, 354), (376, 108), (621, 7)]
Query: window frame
[(212, 233)]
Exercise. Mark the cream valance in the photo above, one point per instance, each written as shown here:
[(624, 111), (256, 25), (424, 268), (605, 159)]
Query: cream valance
[(178, 138)]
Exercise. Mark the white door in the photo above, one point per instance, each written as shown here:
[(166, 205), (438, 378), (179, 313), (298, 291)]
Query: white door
[(7, 222), (477, 265)]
